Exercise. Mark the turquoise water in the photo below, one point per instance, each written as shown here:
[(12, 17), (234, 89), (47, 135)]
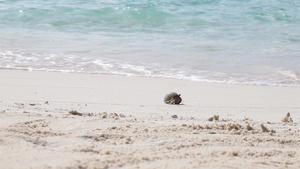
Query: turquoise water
[(240, 42)]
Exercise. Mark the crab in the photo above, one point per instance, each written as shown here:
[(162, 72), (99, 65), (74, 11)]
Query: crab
[(172, 98)]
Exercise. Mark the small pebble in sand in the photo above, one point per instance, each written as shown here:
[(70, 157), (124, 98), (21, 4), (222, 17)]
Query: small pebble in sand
[(46, 102), (128, 141), (174, 116), (263, 128), (145, 158), (74, 112), (287, 118), (215, 117), (235, 153), (210, 119)]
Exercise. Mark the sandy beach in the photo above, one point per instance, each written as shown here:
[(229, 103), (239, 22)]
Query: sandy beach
[(122, 122)]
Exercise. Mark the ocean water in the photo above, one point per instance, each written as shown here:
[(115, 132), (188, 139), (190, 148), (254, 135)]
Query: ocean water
[(252, 42)]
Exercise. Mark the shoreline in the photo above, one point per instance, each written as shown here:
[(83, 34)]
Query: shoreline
[(98, 89), (125, 123)]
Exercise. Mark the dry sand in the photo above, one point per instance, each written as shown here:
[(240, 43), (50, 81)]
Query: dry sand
[(122, 122)]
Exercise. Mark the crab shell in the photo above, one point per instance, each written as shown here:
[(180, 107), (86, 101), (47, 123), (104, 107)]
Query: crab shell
[(172, 98)]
